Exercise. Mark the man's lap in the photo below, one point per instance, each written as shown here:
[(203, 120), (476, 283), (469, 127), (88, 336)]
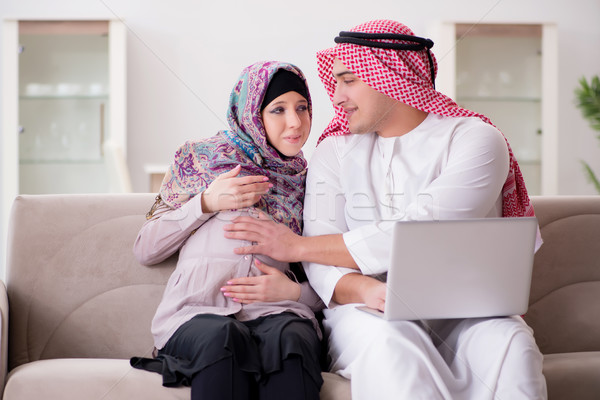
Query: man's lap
[(351, 332)]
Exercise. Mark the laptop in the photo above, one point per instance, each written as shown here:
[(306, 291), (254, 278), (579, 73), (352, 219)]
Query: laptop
[(459, 268)]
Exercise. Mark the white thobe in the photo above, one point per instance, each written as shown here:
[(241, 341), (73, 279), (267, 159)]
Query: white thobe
[(357, 185)]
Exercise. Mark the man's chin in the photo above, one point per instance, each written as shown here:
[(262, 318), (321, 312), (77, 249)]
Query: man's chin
[(357, 130)]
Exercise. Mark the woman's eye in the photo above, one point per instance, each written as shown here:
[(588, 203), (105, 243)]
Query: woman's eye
[(302, 108), (276, 110)]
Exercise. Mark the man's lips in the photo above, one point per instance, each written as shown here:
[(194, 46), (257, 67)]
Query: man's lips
[(349, 111)]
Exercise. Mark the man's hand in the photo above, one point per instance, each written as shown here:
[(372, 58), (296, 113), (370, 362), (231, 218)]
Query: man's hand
[(358, 288), (274, 285), (374, 295), (228, 192), (270, 238)]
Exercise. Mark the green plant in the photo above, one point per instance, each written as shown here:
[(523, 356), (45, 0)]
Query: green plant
[(588, 101)]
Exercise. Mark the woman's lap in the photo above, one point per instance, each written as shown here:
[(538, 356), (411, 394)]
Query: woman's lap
[(257, 346)]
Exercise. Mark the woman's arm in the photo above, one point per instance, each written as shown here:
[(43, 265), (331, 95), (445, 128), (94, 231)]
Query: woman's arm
[(167, 229), (310, 298)]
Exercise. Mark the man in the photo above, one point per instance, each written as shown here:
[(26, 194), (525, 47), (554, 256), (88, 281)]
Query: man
[(412, 154)]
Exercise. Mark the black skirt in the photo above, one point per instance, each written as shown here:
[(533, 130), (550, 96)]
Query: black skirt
[(257, 347)]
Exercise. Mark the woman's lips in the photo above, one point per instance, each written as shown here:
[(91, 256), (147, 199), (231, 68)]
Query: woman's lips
[(293, 139)]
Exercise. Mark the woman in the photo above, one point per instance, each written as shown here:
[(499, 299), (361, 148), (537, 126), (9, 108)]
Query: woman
[(233, 326)]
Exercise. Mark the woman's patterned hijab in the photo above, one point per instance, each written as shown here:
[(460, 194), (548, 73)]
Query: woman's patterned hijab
[(406, 77), (198, 163)]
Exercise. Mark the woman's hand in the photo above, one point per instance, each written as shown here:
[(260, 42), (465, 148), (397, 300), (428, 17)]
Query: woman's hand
[(274, 285), (228, 192)]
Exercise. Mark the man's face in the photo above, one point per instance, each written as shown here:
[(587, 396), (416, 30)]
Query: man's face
[(366, 109)]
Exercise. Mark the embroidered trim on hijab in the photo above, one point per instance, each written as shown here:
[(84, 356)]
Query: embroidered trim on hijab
[(407, 77), (198, 163)]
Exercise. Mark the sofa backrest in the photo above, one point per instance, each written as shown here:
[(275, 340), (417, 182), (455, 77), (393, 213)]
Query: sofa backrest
[(564, 302), (74, 286)]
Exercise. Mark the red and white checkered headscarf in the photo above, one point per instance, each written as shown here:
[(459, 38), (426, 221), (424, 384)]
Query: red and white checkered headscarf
[(405, 75)]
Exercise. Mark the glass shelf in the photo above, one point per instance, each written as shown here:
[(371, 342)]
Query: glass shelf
[(63, 110), (60, 97), (499, 75), (524, 161), (63, 129), (24, 161), (502, 99)]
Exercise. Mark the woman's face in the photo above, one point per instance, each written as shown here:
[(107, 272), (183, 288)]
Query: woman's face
[(287, 123)]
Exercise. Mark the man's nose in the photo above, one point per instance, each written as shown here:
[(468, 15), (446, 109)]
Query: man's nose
[(338, 96)]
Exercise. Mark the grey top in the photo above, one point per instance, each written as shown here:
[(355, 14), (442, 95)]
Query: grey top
[(206, 262)]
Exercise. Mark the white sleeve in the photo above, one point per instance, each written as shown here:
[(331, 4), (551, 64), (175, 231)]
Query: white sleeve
[(468, 185), (324, 214)]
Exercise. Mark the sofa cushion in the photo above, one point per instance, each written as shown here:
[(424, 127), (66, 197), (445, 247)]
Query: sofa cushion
[(112, 379), (335, 387), (66, 379), (573, 375)]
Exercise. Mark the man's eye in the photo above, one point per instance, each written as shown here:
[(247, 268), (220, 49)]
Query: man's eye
[(348, 81)]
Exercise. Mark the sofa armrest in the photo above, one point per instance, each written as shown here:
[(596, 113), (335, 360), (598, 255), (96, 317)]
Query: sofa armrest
[(3, 336)]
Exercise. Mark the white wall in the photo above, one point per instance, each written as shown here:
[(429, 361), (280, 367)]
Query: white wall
[(185, 55)]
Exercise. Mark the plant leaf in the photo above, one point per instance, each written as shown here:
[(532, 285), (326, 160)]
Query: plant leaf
[(591, 176), (588, 100)]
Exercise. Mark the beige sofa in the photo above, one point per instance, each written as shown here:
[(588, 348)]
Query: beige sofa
[(80, 305)]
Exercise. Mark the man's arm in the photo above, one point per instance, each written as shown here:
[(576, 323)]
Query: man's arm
[(468, 186), (279, 242), (322, 248), (326, 249)]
